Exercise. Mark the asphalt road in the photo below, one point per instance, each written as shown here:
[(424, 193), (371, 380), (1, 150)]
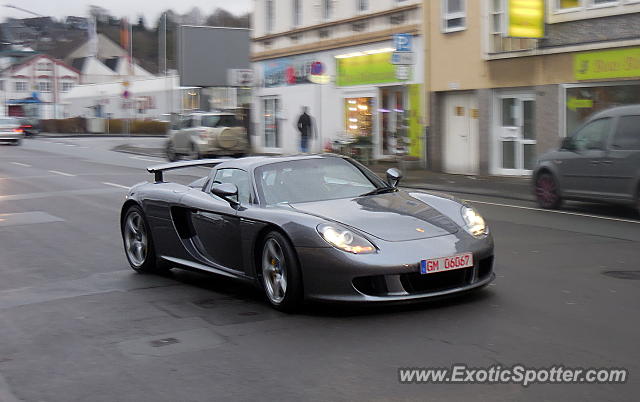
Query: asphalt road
[(76, 324)]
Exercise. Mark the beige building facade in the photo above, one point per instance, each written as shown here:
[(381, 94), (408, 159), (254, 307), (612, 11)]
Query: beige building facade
[(497, 102)]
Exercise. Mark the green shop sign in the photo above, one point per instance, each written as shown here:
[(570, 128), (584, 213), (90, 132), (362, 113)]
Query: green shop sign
[(616, 63), (366, 69)]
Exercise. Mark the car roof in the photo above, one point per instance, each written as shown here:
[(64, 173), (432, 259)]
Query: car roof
[(617, 111), (253, 162)]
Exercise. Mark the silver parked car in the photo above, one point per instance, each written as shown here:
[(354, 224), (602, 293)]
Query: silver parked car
[(600, 161), (10, 130), (202, 134)]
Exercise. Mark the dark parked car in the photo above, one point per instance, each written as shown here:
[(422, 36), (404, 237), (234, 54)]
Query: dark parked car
[(600, 161), (320, 227)]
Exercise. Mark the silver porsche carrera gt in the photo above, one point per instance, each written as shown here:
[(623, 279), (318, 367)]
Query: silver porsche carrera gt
[(314, 227)]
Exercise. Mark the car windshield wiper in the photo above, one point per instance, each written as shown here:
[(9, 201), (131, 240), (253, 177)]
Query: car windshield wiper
[(380, 190)]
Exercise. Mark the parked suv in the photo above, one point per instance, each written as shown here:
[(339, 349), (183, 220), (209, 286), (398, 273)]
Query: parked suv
[(600, 161), (200, 135)]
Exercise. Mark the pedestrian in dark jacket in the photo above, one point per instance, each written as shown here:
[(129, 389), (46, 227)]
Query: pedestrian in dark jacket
[(306, 129)]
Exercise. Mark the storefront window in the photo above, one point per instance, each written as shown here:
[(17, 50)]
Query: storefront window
[(270, 121), (582, 102), (358, 117)]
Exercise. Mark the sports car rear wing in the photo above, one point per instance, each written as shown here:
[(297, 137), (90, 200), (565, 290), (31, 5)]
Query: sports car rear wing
[(159, 169)]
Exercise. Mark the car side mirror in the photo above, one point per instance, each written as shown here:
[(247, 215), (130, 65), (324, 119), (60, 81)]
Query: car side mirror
[(226, 191), (393, 177), (568, 144)]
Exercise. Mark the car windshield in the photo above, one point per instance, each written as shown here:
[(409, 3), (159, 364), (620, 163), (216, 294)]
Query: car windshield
[(224, 120), (310, 180)]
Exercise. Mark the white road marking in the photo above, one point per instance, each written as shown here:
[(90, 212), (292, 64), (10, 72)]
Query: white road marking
[(140, 158), (62, 173), (70, 145), (556, 212), (21, 164), (115, 185)]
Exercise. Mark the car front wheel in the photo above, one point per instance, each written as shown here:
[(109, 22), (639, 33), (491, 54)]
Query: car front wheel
[(547, 191), (280, 274)]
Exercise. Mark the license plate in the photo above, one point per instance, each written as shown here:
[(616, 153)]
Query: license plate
[(446, 263)]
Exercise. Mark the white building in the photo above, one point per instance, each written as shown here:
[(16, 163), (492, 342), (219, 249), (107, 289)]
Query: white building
[(35, 85), (150, 98), (335, 57)]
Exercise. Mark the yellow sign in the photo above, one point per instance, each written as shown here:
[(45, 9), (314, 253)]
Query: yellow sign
[(616, 63), (575, 103), (526, 19)]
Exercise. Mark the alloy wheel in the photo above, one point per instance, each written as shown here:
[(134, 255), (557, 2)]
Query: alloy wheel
[(547, 191), (135, 239), (274, 271)]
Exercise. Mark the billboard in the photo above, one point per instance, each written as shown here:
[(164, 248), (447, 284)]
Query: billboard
[(206, 54), (526, 19)]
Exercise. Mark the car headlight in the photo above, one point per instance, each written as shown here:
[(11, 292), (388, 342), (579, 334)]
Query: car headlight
[(474, 223), (345, 240)]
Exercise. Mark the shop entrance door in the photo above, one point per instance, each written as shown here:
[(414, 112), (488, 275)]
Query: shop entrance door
[(394, 124), (516, 134)]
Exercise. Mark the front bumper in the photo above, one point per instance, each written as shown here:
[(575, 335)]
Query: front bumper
[(10, 136), (393, 274)]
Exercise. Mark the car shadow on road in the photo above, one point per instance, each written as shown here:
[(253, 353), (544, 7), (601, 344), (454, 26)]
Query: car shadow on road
[(606, 210), (227, 291)]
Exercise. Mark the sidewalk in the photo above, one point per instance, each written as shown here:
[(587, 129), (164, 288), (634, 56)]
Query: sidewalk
[(517, 188)]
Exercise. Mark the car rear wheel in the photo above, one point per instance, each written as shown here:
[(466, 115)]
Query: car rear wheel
[(195, 152), (547, 191), (138, 244), (280, 274), (172, 156)]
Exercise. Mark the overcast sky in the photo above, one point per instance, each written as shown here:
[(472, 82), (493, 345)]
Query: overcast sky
[(119, 8)]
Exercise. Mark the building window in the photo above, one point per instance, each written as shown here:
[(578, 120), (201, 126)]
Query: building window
[(498, 42), (44, 66), (362, 5), (21, 86), (327, 9), (269, 14), (603, 2), (67, 86), (296, 7), (454, 15), (44, 86), (567, 4)]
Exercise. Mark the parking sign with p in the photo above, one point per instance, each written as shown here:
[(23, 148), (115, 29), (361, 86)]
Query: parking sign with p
[(402, 42)]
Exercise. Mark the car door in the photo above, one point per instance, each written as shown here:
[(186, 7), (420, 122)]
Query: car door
[(580, 175), (217, 224), (621, 164)]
